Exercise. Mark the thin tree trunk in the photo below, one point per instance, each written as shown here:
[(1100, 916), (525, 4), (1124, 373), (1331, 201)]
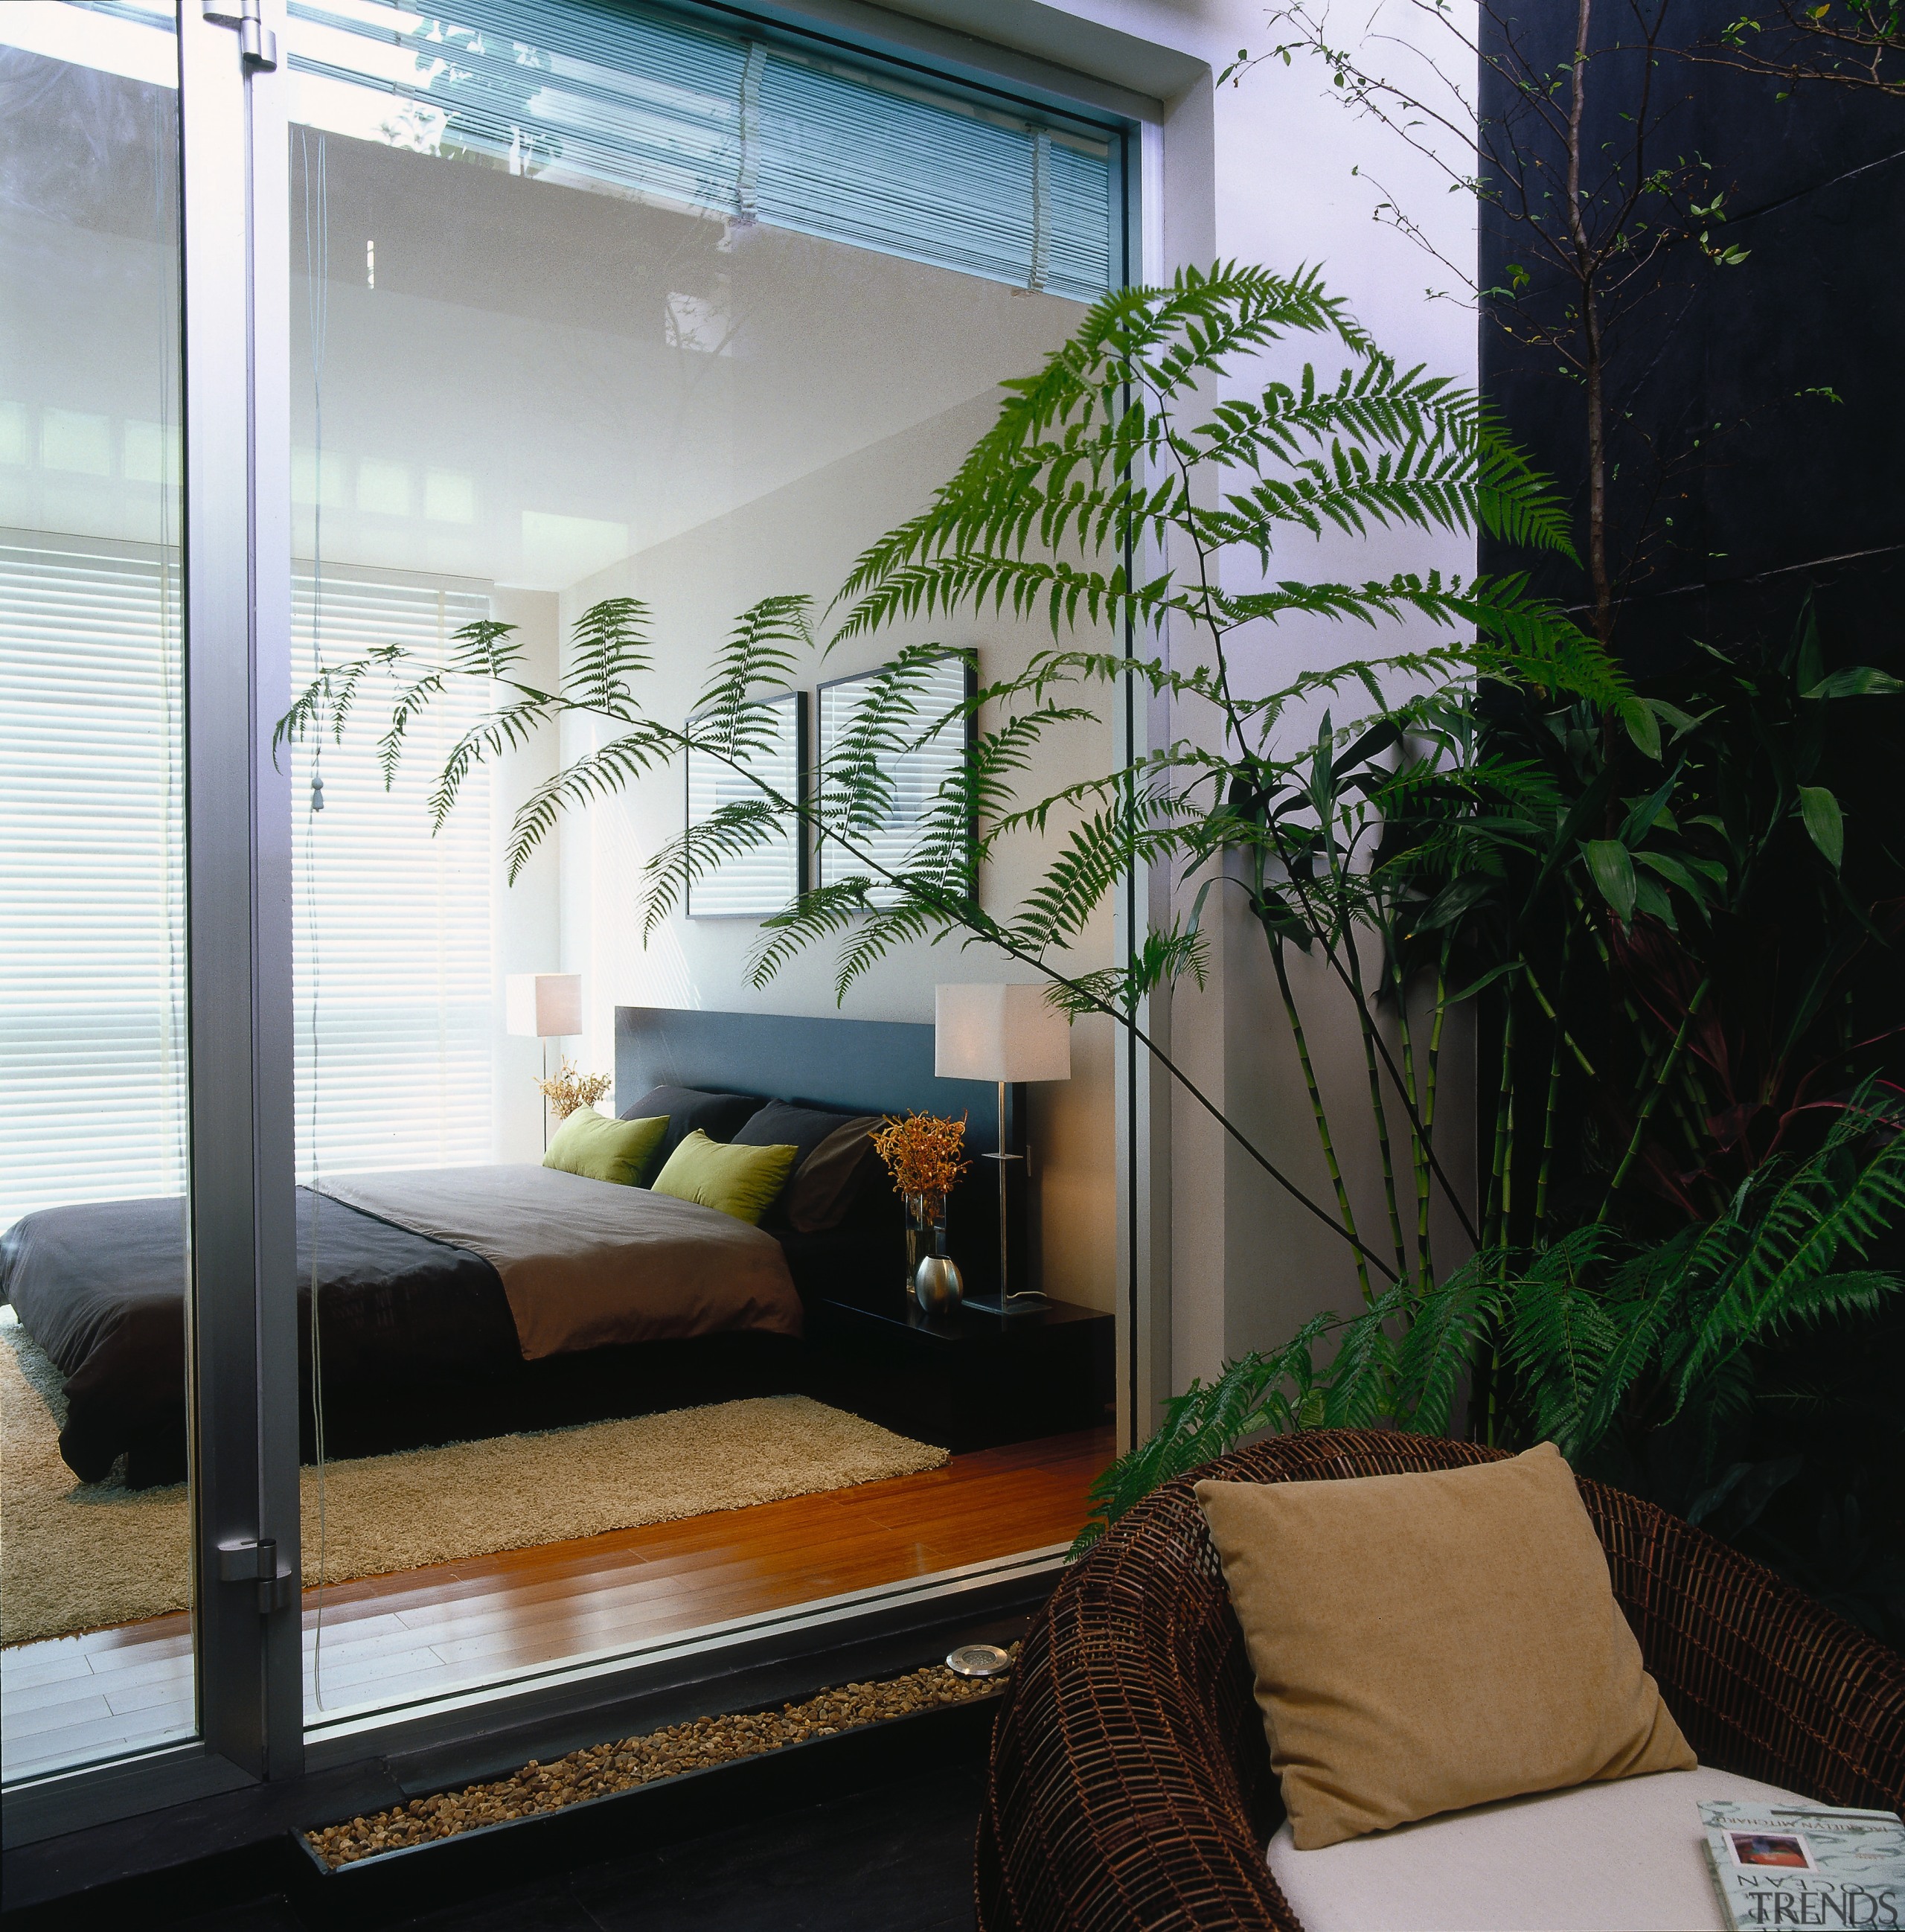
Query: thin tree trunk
[(1600, 585)]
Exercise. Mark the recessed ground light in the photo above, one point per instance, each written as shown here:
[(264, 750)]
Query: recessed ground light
[(979, 1660)]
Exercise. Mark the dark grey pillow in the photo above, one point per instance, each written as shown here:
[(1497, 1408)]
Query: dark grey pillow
[(836, 1155), (719, 1116)]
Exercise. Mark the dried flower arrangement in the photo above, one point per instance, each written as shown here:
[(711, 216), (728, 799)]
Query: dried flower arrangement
[(569, 1090), (923, 1152)]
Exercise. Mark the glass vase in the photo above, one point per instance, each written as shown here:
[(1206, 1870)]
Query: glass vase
[(925, 1231)]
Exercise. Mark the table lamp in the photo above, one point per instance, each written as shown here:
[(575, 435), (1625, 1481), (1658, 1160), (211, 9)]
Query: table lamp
[(1005, 1034), (545, 1007)]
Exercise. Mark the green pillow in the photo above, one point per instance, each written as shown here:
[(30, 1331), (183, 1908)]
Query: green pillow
[(743, 1181), (591, 1145)]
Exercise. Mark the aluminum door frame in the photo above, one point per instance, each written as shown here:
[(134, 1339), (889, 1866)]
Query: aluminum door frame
[(241, 1353), (243, 1350)]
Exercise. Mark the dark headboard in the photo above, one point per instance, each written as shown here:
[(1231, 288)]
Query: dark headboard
[(870, 1066)]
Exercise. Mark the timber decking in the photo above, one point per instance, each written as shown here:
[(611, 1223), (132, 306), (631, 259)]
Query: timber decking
[(420, 1633)]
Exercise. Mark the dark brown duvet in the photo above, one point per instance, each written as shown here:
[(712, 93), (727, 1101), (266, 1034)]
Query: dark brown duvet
[(589, 1264)]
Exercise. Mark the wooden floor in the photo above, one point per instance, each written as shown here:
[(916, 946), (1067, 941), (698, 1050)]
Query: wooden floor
[(419, 1633)]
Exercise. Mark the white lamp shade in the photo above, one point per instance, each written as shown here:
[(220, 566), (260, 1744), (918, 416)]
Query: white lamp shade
[(544, 1005), (999, 1033)]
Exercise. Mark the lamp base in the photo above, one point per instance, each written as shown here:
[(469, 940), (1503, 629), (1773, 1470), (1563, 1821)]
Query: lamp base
[(1032, 1302)]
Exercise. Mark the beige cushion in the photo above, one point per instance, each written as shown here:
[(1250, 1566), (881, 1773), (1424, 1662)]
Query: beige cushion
[(1422, 1643), (1625, 1857)]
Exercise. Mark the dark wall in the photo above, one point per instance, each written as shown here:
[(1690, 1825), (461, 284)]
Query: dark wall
[(1734, 494)]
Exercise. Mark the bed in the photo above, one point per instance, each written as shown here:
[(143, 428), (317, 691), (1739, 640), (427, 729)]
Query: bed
[(457, 1303)]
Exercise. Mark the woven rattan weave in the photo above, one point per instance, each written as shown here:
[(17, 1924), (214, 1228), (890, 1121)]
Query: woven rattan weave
[(1131, 1787)]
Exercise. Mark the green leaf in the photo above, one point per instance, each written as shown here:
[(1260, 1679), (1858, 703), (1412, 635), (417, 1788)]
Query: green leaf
[(1643, 727), (1856, 681), (1672, 870), (1826, 824), (1612, 872)]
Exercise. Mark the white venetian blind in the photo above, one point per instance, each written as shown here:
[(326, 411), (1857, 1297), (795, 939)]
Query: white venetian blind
[(92, 981), (639, 101), (392, 927)]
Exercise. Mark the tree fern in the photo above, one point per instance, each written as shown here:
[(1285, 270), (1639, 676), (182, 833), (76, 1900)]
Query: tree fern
[(1133, 441)]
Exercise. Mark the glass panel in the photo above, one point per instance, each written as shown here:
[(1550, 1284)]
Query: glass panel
[(94, 1553), (566, 339)]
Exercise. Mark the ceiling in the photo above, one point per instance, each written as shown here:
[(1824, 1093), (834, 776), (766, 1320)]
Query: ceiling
[(507, 379)]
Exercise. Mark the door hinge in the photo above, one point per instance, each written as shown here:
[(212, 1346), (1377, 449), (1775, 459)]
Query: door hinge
[(257, 44), (257, 1563)]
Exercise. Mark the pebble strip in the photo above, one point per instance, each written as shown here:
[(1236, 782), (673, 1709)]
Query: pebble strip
[(602, 1768)]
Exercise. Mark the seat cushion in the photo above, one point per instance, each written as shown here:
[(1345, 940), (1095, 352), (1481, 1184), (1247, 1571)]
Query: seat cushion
[(1625, 1857), (1427, 1643)]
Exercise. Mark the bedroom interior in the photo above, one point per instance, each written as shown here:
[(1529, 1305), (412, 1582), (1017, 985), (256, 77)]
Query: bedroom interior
[(725, 404)]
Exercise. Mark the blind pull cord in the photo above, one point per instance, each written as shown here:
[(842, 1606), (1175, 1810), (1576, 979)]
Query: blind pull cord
[(1041, 209), (746, 182)]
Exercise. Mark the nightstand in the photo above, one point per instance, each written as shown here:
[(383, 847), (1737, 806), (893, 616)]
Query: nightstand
[(966, 1380)]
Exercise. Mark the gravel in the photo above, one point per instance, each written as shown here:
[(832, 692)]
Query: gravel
[(602, 1769)]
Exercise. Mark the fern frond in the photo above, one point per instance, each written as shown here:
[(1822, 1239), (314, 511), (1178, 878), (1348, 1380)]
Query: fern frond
[(1817, 1212), (1559, 1336), (815, 915), (1204, 1422), (730, 831), (1358, 1387), (1516, 503), (1161, 959), (763, 649), (484, 649), (508, 728), (412, 702), (1447, 1323), (602, 773), (611, 645), (1026, 586)]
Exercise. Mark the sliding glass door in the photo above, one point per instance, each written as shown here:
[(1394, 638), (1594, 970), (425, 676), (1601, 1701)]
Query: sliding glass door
[(95, 1520), (344, 342), (604, 321), (148, 1558)]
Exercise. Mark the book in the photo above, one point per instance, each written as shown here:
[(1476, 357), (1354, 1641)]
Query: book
[(1806, 1864)]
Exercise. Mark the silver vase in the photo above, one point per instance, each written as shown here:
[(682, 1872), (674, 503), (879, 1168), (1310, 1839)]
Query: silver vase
[(938, 1284)]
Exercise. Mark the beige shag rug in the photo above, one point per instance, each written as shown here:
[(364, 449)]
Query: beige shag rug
[(77, 1556)]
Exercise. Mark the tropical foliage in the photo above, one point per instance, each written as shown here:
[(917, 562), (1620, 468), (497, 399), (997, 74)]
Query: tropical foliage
[(1608, 1341)]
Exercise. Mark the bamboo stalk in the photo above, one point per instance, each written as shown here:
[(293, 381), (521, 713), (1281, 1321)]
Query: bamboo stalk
[(1319, 1115), (1494, 1221), (1429, 1089), (1417, 1135), (1551, 1105), (1653, 1095)]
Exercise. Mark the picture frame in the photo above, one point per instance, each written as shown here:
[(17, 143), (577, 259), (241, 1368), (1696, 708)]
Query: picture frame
[(768, 879), (918, 776)]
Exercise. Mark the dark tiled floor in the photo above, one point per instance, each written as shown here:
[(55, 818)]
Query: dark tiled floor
[(898, 1857)]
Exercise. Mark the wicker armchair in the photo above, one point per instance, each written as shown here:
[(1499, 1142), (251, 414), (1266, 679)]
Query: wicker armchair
[(1131, 1786)]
